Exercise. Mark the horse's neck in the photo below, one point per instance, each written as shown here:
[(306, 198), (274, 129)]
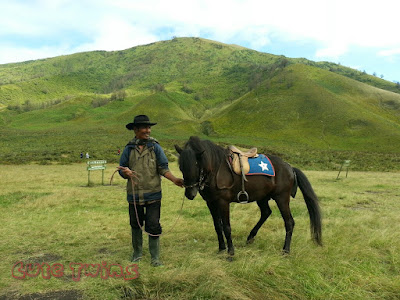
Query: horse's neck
[(214, 161)]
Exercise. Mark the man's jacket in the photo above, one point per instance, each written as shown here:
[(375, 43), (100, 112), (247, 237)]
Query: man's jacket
[(149, 165)]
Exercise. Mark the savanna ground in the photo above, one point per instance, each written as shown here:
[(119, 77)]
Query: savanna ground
[(50, 215)]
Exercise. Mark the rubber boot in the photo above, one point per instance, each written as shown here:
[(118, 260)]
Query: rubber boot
[(137, 244), (154, 248)]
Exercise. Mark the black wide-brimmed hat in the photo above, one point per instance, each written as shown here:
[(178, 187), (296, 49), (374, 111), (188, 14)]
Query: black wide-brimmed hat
[(140, 120)]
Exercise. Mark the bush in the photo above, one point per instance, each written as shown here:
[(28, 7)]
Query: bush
[(120, 95), (99, 101), (187, 89), (159, 87)]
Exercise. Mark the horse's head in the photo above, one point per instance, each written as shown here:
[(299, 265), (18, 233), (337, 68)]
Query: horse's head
[(190, 164)]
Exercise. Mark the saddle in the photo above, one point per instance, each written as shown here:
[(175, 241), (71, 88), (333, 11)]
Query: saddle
[(240, 165), (240, 160)]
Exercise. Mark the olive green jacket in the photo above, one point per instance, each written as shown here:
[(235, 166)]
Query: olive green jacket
[(149, 165)]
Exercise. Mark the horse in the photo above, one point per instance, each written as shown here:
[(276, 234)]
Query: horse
[(206, 169)]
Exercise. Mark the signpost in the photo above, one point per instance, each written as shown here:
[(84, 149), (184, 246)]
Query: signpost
[(345, 164), (96, 165)]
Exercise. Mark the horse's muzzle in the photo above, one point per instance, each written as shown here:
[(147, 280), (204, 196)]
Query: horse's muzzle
[(190, 193)]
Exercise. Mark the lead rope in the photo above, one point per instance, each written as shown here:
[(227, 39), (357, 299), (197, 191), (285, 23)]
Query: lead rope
[(136, 212)]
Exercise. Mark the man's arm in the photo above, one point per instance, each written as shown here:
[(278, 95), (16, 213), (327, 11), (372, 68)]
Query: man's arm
[(176, 181), (124, 163)]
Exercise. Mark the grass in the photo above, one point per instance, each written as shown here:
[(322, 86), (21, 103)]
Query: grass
[(50, 215)]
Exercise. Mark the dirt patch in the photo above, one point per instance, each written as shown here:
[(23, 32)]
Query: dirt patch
[(363, 204), (357, 124), (377, 192), (60, 295), (41, 258), (372, 192), (106, 251), (391, 104)]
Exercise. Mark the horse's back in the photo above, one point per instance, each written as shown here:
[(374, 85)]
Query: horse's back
[(284, 174)]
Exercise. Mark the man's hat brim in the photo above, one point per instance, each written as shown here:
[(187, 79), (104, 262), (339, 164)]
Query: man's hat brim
[(131, 125)]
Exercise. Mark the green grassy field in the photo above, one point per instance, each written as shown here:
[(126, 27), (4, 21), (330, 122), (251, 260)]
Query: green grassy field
[(49, 214)]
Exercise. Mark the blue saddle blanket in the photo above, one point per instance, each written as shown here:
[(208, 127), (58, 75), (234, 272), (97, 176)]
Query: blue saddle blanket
[(261, 165)]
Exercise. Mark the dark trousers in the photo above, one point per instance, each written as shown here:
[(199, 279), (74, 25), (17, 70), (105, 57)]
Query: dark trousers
[(149, 214)]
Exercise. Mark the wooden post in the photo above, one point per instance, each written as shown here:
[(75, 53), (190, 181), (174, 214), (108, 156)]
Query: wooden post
[(346, 164)]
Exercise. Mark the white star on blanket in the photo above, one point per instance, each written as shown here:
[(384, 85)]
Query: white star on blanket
[(263, 166)]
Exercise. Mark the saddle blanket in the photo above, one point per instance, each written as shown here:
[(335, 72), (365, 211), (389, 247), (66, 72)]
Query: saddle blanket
[(261, 165)]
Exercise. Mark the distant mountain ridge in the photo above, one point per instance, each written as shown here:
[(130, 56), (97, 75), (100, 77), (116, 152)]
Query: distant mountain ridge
[(194, 86)]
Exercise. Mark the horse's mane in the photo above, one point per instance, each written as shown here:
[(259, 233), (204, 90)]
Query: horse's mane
[(211, 154)]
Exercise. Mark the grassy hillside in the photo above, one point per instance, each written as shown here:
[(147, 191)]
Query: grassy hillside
[(313, 114), (309, 106)]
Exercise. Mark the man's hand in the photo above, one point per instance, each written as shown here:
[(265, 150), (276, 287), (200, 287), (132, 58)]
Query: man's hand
[(176, 181), (126, 172)]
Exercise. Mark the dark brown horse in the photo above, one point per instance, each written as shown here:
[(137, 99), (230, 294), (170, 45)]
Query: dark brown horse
[(205, 168)]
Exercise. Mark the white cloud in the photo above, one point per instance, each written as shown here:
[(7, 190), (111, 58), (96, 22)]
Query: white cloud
[(18, 54), (113, 33), (333, 51), (391, 52), (69, 26)]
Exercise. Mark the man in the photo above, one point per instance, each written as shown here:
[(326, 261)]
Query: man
[(144, 161)]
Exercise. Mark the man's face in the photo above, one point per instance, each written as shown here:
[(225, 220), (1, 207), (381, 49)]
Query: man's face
[(142, 132)]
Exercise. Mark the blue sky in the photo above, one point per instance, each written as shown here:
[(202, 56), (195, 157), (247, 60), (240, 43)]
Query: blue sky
[(360, 34)]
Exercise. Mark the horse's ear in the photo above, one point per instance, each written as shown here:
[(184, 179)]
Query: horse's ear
[(195, 143), (200, 154), (178, 149)]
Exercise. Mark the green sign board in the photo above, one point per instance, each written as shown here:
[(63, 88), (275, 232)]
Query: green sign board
[(96, 165)]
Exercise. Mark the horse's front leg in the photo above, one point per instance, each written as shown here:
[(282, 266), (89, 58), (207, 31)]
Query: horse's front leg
[(217, 224), (226, 225)]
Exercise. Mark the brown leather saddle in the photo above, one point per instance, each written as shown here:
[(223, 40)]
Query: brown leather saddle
[(240, 165), (240, 160)]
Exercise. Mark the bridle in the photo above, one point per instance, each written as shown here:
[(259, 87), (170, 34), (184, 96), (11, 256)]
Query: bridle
[(200, 183)]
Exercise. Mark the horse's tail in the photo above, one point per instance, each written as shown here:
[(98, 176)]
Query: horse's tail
[(311, 200)]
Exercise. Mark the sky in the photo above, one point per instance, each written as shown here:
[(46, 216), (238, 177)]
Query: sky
[(361, 34)]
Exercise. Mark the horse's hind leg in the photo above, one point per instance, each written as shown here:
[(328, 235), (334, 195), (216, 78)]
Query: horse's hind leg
[(217, 224), (283, 205), (265, 213)]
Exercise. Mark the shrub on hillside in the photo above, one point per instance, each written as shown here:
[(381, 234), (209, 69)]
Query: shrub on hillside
[(120, 95), (187, 89), (159, 87), (100, 101), (29, 106)]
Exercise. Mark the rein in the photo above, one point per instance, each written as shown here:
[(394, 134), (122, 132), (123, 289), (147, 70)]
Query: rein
[(134, 204)]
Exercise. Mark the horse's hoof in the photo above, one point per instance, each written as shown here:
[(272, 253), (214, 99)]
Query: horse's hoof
[(285, 252), (229, 258), (221, 251), (250, 241)]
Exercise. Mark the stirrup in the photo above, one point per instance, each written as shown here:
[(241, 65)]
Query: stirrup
[(243, 193)]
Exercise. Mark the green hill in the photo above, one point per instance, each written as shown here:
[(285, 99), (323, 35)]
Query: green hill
[(313, 114)]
